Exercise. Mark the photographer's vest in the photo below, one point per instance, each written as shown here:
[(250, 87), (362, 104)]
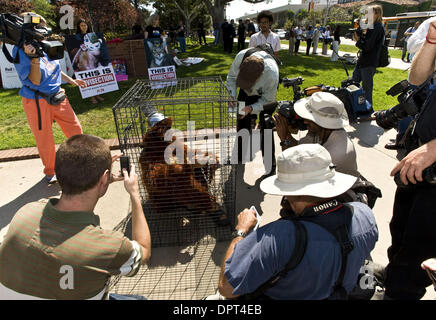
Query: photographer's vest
[(333, 216)]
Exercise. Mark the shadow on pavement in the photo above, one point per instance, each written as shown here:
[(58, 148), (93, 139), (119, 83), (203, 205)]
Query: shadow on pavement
[(41, 190), (366, 133)]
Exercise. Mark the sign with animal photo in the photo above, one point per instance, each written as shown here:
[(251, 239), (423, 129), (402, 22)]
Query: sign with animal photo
[(91, 63), (157, 54)]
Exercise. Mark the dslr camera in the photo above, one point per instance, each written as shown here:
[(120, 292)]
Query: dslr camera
[(410, 98), (286, 108), (28, 30)]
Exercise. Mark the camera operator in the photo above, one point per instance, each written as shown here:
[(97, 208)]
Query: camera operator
[(414, 214), (257, 76), (369, 41), (41, 78), (325, 117)]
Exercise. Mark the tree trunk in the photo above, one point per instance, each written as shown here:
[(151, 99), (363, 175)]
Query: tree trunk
[(217, 12)]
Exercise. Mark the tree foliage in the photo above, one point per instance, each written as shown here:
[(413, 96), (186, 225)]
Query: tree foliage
[(104, 15), (15, 6), (339, 14), (301, 15), (47, 10), (189, 11)]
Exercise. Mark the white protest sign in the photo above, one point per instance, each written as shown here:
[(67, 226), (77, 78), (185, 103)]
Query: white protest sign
[(98, 81), (162, 73)]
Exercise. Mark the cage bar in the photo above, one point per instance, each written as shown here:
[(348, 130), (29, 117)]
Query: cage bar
[(184, 203)]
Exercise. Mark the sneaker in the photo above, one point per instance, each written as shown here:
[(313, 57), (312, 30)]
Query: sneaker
[(51, 179)]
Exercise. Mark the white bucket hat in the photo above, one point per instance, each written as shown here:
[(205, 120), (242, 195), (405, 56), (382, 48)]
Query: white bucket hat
[(323, 108), (307, 169)]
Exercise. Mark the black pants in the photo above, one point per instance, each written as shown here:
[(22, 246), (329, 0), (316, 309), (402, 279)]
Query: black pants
[(241, 43), (413, 241), (202, 37), (248, 123), (309, 44), (297, 46), (228, 44)]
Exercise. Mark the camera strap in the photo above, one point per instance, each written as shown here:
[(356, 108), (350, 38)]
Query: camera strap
[(38, 109), (8, 56)]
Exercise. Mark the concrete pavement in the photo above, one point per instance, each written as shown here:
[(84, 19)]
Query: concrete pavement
[(191, 271)]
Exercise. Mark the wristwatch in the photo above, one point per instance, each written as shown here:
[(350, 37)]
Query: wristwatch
[(285, 143), (238, 233)]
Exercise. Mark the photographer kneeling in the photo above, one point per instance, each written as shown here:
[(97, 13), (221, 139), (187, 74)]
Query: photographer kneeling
[(298, 256), (44, 101), (325, 117), (414, 213)]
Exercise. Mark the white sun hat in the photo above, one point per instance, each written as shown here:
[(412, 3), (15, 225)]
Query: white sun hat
[(323, 108), (307, 169)]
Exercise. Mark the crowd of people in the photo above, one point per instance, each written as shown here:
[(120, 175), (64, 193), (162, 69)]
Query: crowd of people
[(312, 36), (315, 251)]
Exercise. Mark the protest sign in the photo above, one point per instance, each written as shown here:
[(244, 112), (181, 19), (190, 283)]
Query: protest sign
[(98, 81), (160, 75), (91, 63)]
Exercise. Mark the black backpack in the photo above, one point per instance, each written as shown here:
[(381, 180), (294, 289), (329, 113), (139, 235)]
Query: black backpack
[(337, 224), (384, 59)]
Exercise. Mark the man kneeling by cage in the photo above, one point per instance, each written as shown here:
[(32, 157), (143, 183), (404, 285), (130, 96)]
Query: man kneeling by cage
[(298, 257), (57, 250)]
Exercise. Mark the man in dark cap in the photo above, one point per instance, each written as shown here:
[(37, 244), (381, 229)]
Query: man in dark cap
[(257, 78)]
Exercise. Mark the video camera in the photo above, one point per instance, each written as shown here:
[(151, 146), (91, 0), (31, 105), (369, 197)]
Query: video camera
[(411, 99), (27, 30), (286, 108)]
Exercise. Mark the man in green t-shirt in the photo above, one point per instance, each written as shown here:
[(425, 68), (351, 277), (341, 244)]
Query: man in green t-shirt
[(57, 250)]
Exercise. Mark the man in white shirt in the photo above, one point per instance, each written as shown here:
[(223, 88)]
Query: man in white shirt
[(265, 35), (257, 76)]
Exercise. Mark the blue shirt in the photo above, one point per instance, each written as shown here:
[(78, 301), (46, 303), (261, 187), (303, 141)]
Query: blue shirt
[(266, 251), (51, 77)]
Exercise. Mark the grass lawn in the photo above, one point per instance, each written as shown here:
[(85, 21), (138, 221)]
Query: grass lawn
[(393, 53), (98, 119)]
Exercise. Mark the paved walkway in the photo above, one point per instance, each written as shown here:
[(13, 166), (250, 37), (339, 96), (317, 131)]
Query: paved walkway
[(194, 269), (193, 266), (32, 152)]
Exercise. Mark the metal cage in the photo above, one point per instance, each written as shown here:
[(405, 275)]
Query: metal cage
[(185, 203)]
